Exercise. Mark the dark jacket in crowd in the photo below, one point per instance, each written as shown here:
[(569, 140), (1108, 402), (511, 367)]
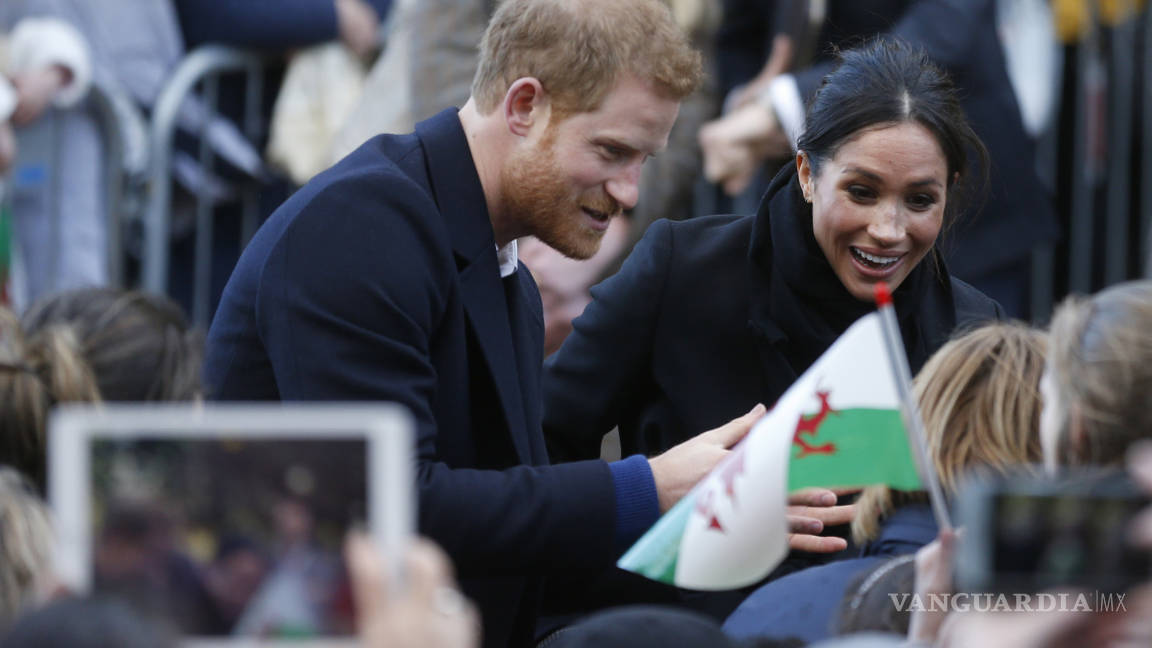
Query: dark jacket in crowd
[(263, 24), (804, 604)]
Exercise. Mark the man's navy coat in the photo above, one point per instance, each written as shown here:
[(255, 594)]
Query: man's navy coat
[(378, 281)]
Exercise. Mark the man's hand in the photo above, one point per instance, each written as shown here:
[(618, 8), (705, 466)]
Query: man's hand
[(680, 468), (359, 26), (809, 511), (35, 91)]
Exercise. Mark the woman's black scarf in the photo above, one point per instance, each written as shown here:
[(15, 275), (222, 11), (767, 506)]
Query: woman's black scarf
[(802, 296)]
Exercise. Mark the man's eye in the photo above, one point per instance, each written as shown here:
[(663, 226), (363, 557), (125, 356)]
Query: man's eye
[(613, 152)]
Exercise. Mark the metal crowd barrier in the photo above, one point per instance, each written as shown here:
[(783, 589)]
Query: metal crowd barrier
[(201, 68), (125, 141), (1105, 127), (1146, 150)]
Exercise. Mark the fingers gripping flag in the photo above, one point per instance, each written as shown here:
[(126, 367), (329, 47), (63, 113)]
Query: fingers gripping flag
[(838, 425)]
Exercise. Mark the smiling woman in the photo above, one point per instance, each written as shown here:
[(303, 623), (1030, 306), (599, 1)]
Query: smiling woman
[(712, 315), (877, 207)]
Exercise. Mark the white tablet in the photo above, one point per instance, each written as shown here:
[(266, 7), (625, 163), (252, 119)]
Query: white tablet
[(228, 520)]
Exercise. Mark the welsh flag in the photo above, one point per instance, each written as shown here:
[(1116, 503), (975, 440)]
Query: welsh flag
[(840, 424)]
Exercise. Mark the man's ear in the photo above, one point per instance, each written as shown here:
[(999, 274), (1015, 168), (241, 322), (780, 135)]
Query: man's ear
[(525, 105)]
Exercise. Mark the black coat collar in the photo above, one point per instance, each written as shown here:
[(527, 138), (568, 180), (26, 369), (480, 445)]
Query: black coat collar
[(459, 195)]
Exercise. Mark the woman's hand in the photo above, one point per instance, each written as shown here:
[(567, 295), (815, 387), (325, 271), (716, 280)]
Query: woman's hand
[(810, 510), (933, 576), (429, 613)]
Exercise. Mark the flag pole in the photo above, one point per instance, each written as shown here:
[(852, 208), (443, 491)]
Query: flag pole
[(894, 346)]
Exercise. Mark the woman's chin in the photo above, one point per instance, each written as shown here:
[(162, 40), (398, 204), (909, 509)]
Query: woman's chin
[(865, 289)]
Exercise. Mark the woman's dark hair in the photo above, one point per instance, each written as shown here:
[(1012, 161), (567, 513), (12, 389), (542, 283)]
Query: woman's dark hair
[(89, 345), (887, 81)]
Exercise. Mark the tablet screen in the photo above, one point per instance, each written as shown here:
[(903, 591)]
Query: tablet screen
[(228, 521), (228, 536)]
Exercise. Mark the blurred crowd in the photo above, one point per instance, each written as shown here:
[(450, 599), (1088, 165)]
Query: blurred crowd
[(631, 372)]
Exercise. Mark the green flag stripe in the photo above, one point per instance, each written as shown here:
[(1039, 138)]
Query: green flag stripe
[(656, 553), (870, 448)]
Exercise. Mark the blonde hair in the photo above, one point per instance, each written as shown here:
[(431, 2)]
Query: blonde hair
[(979, 395), (88, 346), (577, 49), (34, 375), (1101, 367), (26, 540)]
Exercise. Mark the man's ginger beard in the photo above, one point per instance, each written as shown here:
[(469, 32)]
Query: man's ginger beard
[(539, 198)]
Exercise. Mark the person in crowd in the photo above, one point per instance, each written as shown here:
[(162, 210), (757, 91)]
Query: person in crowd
[(138, 557), (279, 25), (1099, 377), (235, 574), (26, 542), (980, 399), (1094, 388), (45, 73), (393, 276), (992, 245), (298, 592), (88, 345)]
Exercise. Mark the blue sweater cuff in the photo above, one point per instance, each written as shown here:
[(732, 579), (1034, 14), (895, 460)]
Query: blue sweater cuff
[(637, 506)]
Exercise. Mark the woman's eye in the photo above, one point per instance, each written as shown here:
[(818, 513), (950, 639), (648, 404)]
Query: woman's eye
[(860, 192), (921, 202)]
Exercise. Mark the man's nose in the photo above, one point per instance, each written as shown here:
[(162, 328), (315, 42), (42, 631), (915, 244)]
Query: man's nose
[(624, 188)]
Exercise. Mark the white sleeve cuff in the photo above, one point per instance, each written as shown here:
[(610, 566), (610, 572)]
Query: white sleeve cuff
[(784, 95), (7, 99), (41, 42)]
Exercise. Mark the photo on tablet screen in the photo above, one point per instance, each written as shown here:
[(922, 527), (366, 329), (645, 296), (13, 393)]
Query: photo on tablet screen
[(222, 531), (229, 536)]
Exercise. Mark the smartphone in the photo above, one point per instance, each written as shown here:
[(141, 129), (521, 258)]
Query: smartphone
[(1029, 533)]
